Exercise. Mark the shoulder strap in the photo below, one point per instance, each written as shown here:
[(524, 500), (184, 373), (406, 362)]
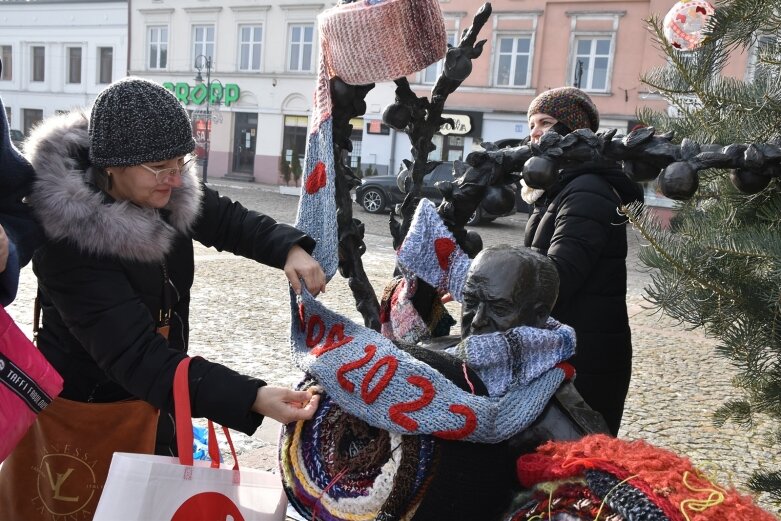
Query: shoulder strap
[(36, 318)]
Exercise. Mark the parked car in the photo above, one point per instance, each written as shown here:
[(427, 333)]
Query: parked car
[(17, 137), (378, 193)]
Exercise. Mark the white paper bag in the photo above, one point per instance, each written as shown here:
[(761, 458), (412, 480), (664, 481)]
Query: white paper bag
[(157, 488)]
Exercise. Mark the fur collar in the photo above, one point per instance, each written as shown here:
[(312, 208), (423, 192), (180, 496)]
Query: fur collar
[(71, 208)]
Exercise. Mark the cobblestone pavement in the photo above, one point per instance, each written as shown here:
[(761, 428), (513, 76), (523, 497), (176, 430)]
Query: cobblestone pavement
[(240, 317)]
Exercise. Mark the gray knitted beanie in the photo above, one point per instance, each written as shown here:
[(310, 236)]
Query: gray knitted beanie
[(137, 121)]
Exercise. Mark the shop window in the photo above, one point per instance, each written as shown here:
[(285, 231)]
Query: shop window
[(30, 117), (294, 143)]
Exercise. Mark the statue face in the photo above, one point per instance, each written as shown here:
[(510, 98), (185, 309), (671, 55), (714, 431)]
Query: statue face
[(500, 294)]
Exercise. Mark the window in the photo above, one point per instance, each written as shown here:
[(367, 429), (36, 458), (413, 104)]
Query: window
[(105, 64), (250, 47), (592, 61), (8, 69), (300, 48), (157, 38), (39, 63), (30, 117), (203, 41), (432, 72), (513, 60), (356, 137), (8, 116), (74, 64)]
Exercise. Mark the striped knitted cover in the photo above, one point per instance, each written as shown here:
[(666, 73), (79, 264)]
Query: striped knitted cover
[(670, 486), (368, 376)]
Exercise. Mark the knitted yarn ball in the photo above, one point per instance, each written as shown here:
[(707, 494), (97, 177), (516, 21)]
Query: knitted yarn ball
[(137, 121), (668, 482), (570, 105), (381, 40), (338, 467)]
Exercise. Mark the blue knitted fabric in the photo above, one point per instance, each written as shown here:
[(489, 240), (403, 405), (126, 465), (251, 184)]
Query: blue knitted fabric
[(517, 356), (369, 377), (430, 252)]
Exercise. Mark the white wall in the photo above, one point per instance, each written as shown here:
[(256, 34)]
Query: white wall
[(57, 26)]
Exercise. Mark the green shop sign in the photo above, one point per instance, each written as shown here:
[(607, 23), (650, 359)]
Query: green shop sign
[(227, 94)]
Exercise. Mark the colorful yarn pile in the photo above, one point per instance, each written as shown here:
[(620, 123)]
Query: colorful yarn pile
[(338, 467), (632, 479)]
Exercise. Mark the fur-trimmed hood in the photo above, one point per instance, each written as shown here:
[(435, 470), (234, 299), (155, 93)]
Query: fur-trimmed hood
[(71, 208)]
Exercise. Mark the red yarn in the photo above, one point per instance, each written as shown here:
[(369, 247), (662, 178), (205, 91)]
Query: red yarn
[(316, 179), (443, 248), (659, 474)]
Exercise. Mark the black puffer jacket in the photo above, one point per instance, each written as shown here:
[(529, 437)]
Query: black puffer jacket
[(101, 280), (578, 226)]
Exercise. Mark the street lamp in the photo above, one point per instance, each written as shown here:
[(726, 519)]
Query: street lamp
[(205, 62)]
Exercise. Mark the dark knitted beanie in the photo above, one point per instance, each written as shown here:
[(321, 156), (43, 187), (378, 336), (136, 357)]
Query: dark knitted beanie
[(569, 105), (137, 121)]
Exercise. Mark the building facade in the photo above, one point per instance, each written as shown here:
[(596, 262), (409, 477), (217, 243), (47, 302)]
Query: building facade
[(58, 55), (258, 62)]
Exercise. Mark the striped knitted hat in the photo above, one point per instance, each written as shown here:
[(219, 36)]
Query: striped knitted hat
[(569, 105), (393, 38)]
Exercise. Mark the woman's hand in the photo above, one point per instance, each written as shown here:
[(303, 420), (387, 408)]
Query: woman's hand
[(286, 405), (300, 265), (3, 249)]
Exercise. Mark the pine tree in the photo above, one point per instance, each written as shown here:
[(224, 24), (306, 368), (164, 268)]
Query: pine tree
[(719, 264), (284, 168)]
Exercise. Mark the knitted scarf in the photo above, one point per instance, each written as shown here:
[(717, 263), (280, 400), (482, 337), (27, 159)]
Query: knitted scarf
[(517, 356)]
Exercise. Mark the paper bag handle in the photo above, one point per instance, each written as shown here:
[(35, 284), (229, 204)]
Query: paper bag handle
[(184, 422)]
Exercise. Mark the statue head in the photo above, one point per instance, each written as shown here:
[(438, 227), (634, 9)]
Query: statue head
[(507, 287)]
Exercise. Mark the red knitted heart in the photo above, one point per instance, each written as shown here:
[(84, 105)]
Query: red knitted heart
[(316, 179), (444, 247)]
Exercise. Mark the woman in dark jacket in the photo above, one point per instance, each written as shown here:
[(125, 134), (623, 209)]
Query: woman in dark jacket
[(120, 207), (577, 225)]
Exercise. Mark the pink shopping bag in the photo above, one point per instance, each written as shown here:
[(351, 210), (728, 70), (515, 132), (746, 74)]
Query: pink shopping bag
[(156, 488), (28, 383)]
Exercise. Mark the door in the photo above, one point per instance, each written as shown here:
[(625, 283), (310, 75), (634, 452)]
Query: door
[(244, 139)]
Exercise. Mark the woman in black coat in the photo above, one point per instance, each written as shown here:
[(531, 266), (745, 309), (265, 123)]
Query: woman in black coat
[(577, 225), (120, 207)]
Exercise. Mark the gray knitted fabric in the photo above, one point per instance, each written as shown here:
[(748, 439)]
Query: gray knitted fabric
[(430, 251), (137, 121), (517, 356)]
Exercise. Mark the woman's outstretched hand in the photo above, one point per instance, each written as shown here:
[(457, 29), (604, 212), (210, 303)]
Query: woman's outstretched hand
[(300, 265), (286, 405)]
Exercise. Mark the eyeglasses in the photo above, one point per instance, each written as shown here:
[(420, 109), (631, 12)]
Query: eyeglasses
[(164, 174)]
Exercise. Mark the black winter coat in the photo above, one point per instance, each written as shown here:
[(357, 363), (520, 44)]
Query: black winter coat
[(578, 226), (101, 281)]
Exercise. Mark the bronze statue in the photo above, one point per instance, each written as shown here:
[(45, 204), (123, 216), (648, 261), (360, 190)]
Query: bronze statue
[(507, 287)]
